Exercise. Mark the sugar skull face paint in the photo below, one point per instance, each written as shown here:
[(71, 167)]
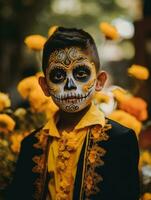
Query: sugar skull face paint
[(71, 78)]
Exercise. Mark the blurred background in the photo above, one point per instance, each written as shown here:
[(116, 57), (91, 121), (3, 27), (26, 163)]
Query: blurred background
[(132, 18)]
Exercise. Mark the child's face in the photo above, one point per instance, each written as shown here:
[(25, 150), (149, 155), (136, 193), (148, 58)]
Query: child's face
[(71, 79)]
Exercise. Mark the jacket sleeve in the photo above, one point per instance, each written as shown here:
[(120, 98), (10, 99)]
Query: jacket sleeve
[(131, 184), (22, 179)]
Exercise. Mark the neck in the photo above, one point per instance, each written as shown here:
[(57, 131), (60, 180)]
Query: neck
[(67, 121)]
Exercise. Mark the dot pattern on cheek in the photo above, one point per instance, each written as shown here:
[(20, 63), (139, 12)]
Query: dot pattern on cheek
[(89, 85)]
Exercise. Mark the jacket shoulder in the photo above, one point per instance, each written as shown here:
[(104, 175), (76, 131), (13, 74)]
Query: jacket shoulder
[(30, 139), (118, 130)]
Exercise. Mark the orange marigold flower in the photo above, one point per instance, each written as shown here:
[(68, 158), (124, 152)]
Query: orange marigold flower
[(50, 109), (16, 142), (126, 119), (120, 94), (30, 88), (145, 159), (6, 123), (35, 42), (135, 106), (139, 72), (27, 85), (51, 30), (4, 142), (109, 31), (43, 103), (4, 101), (41, 100), (146, 196)]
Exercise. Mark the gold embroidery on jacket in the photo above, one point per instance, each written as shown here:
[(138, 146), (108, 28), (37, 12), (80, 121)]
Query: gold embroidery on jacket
[(40, 163), (94, 154)]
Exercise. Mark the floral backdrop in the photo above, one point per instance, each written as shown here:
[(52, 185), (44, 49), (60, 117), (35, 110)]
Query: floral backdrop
[(116, 102)]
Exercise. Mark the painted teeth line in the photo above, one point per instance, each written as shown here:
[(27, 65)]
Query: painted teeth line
[(79, 97)]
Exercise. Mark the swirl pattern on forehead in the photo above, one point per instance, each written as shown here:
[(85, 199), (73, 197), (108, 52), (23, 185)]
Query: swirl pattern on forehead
[(66, 56)]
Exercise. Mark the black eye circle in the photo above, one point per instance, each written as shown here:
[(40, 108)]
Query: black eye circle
[(57, 75), (81, 73)]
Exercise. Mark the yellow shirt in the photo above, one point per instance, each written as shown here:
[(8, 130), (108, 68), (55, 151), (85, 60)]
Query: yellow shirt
[(65, 151)]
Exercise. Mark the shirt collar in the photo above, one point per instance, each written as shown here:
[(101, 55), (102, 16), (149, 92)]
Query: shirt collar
[(92, 117)]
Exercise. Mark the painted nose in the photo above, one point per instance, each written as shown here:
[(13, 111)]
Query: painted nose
[(70, 85)]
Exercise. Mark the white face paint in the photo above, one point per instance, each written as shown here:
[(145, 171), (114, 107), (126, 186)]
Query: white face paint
[(71, 78)]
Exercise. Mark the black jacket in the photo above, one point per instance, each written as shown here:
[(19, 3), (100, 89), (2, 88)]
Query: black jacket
[(119, 173)]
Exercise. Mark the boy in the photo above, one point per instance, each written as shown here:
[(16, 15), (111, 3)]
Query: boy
[(78, 154)]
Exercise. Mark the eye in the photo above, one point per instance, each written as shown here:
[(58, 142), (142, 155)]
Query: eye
[(57, 75), (81, 73)]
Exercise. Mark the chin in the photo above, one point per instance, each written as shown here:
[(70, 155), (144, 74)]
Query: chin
[(73, 108)]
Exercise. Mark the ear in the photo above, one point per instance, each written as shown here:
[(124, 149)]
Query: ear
[(44, 86), (101, 79)]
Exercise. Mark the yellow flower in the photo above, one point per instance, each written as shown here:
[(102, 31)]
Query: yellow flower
[(50, 109), (35, 42), (127, 120), (41, 100), (51, 30), (16, 142), (4, 101), (20, 112), (30, 88), (120, 94), (43, 103), (101, 97), (109, 31), (146, 196), (4, 142), (145, 158), (6, 123), (139, 72), (135, 106), (27, 85)]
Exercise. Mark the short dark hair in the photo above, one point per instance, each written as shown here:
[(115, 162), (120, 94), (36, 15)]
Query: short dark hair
[(67, 37)]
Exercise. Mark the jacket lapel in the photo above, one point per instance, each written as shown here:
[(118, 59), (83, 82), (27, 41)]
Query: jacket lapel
[(91, 157), (40, 160)]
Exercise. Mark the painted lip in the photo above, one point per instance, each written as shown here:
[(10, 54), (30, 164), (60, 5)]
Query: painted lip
[(72, 97)]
